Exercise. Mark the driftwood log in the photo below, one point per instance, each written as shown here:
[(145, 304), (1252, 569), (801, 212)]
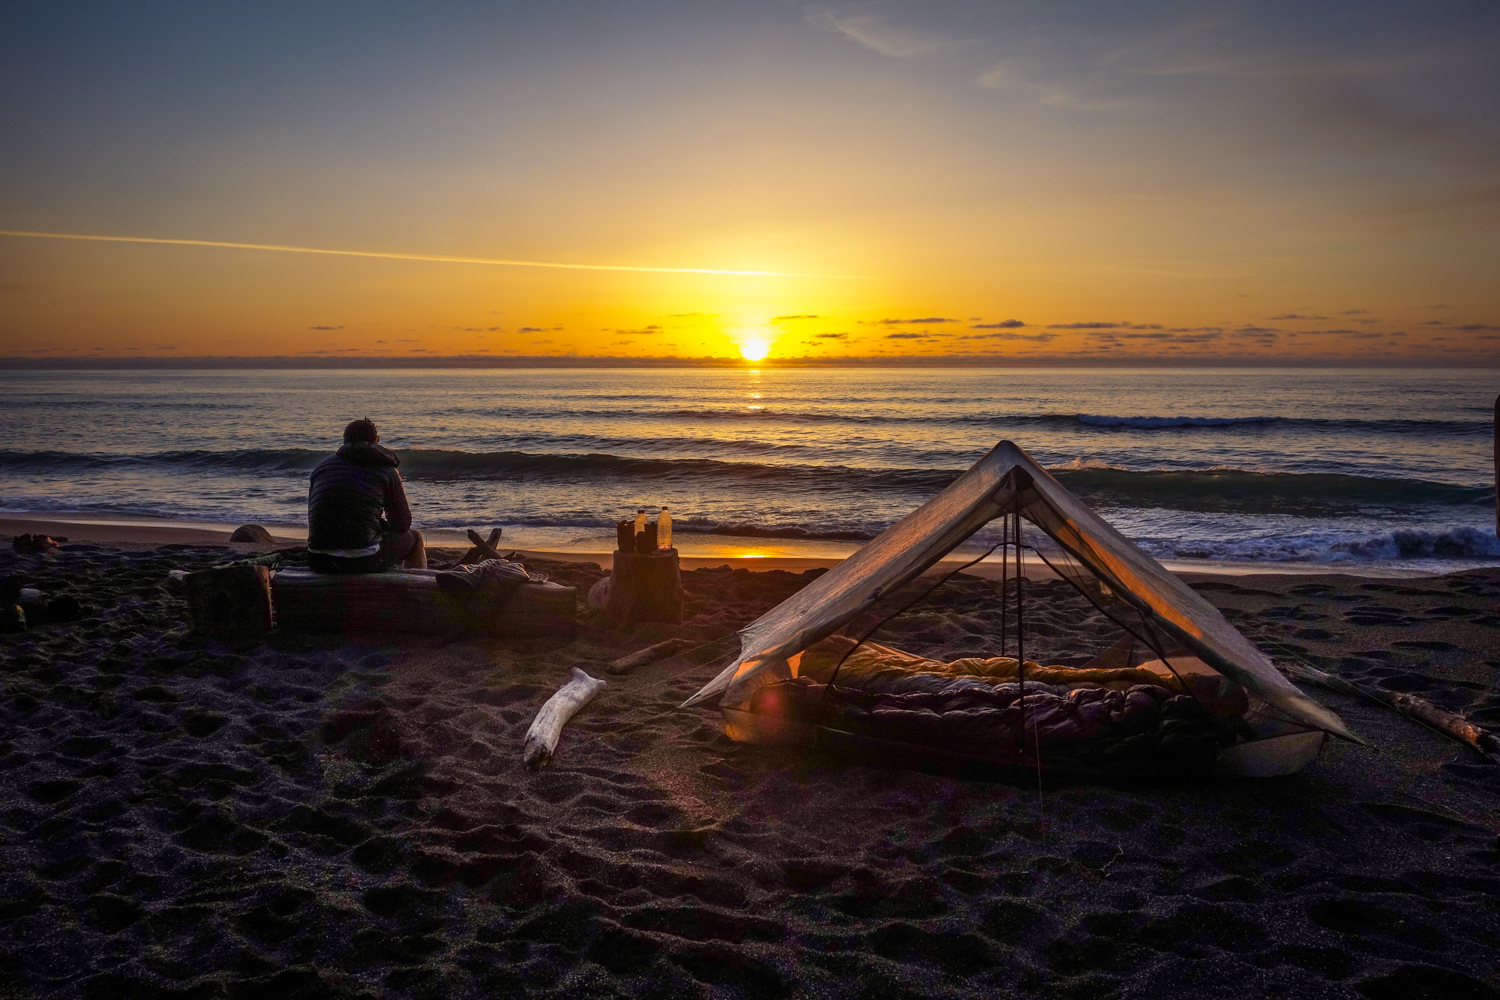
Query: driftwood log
[(231, 599), (1455, 727), (640, 657), (482, 549), (541, 738), (411, 602), (645, 588)]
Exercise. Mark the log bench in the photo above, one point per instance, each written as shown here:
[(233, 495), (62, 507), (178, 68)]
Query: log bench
[(410, 602)]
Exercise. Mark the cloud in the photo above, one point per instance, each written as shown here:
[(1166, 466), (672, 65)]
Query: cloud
[(1474, 327), (1355, 312), (532, 329), (785, 319), (325, 328), (905, 336), (651, 330), (1339, 107), (1256, 329), (1005, 324), (1038, 338), (871, 31), (1294, 316), (1079, 94), (829, 336), (1105, 326), (920, 319), (692, 315)]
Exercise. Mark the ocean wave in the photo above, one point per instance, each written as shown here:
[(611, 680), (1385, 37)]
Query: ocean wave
[(1331, 546), (1241, 492), (1464, 542), (943, 413), (1208, 490), (1155, 423)]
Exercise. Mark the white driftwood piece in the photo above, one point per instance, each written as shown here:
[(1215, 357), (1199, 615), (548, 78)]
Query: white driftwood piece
[(541, 738)]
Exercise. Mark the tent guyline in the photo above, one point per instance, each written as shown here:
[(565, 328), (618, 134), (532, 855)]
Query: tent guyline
[(1209, 699)]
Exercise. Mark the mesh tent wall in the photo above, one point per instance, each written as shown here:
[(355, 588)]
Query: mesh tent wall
[(1005, 481)]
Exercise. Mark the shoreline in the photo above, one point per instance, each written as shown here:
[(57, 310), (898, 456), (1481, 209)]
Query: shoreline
[(758, 555)]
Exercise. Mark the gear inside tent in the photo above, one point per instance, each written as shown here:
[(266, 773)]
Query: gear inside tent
[(1180, 692)]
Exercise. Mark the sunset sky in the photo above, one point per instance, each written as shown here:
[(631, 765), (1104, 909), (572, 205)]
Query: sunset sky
[(1048, 181)]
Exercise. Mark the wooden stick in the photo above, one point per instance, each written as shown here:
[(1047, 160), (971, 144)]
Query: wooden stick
[(1455, 727), (541, 738), (625, 664), (473, 555), (485, 548)]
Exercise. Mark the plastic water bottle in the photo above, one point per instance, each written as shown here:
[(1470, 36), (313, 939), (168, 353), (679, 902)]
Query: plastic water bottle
[(664, 529), (640, 520)]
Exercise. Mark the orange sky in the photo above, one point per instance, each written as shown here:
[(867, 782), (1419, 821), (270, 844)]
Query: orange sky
[(926, 179)]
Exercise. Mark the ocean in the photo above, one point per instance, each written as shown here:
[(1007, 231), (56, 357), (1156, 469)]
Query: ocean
[(1276, 467)]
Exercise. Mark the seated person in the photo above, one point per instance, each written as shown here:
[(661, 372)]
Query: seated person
[(358, 520)]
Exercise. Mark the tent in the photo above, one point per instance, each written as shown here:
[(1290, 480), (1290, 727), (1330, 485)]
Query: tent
[(1188, 640)]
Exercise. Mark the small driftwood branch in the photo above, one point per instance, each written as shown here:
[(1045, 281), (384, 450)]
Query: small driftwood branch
[(486, 549), (541, 738), (1455, 727), (640, 657), (475, 554)]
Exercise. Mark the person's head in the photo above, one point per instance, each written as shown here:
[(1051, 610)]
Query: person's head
[(362, 430)]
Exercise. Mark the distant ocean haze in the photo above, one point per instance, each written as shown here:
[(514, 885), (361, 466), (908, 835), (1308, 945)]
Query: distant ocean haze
[(1357, 467)]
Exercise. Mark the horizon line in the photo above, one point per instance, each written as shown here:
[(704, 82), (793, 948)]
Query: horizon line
[(431, 258), (481, 361)]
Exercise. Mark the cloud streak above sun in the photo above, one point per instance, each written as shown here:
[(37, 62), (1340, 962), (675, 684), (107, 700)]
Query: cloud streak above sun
[(432, 258)]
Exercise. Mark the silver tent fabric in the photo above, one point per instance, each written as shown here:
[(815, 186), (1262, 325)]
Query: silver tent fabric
[(1004, 480)]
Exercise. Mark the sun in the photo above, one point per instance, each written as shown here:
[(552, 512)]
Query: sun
[(755, 349)]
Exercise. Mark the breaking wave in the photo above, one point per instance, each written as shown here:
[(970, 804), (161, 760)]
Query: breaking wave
[(1463, 543)]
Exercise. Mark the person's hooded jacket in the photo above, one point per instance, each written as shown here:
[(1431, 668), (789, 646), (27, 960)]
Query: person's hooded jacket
[(354, 498)]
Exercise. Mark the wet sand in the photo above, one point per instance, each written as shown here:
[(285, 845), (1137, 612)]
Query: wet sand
[(325, 816)]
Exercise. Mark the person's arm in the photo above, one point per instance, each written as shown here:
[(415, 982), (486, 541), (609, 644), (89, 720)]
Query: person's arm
[(397, 511)]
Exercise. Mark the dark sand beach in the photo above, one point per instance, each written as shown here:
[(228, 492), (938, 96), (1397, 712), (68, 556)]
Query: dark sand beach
[(326, 816)]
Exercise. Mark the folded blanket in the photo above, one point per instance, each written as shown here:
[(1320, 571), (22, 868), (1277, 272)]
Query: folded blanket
[(495, 576)]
